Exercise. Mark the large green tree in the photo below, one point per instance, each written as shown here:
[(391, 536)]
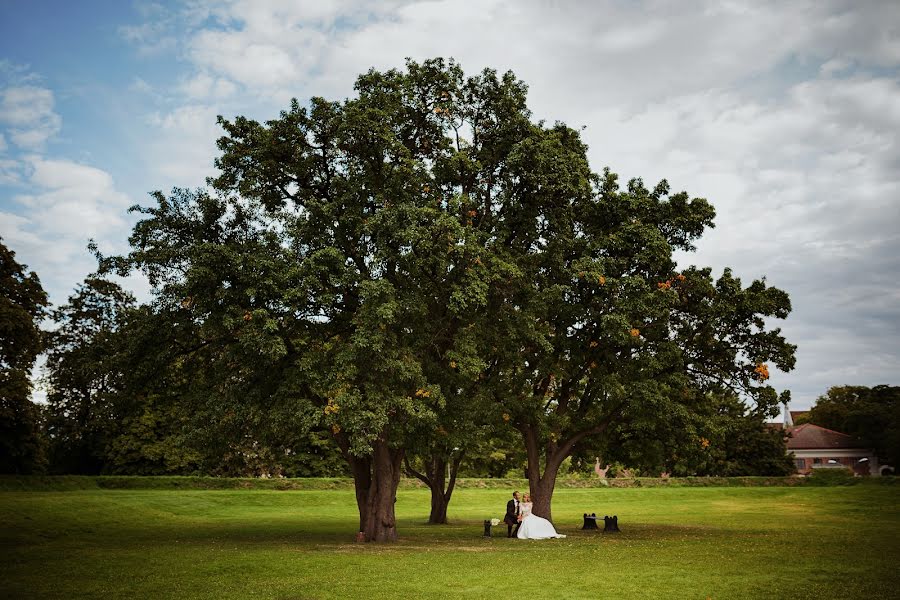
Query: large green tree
[(113, 391), (333, 268), (23, 304), (83, 374), (621, 338), (435, 451), (364, 262)]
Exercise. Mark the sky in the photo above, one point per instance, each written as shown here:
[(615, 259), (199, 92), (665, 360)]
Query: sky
[(784, 115)]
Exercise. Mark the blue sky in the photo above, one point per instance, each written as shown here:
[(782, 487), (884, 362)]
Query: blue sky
[(783, 115)]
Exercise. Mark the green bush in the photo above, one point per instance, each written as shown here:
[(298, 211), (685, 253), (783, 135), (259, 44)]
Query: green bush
[(832, 476)]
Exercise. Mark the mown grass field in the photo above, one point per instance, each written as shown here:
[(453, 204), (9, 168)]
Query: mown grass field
[(714, 542)]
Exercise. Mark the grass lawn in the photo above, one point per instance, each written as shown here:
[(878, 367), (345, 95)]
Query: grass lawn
[(798, 542)]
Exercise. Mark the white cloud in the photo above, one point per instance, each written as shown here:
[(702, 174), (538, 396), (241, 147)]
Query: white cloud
[(205, 87), (70, 177), (608, 51), (23, 106), (835, 66), (242, 57), (182, 153), (27, 113), (66, 205)]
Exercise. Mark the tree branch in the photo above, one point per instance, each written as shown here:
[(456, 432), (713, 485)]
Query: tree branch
[(566, 447), (533, 454), (454, 468), (413, 473)]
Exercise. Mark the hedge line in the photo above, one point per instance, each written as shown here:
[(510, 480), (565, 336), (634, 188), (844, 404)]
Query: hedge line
[(57, 483)]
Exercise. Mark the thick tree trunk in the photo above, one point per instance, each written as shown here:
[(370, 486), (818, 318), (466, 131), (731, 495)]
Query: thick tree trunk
[(439, 503), (380, 522), (362, 481), (375, 479), (542, 485), (542, 494)]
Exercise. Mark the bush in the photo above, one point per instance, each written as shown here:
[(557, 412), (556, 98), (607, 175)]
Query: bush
[(832, 476)]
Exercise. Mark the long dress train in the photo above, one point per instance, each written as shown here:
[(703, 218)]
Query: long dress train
[(534, 527)]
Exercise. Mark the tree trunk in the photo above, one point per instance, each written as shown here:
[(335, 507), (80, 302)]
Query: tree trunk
[(439, 502), (375, 479), (362, 481), (540, 485), (380, 522), (434, 478), (542, 494)]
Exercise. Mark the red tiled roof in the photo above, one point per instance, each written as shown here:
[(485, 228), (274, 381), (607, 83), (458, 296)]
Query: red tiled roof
[(809, 436)]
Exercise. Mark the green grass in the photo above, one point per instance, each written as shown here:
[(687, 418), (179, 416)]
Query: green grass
[(676, 542)]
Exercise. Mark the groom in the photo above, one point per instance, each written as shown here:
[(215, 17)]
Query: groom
[(512, 515)]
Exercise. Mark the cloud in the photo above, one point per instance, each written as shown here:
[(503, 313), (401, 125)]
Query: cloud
[(66, 204), (9, 171), (151, 38), (605, 51), (203, 86), (805, 191), (183, 150), (27, 113), (241, 57)]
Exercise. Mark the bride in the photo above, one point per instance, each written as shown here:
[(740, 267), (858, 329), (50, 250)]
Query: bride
[(533, 527)]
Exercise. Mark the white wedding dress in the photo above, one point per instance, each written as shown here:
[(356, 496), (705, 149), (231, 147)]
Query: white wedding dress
[(534, 527)]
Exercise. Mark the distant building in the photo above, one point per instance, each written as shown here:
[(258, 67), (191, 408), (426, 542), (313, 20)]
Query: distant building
[(815, 447)]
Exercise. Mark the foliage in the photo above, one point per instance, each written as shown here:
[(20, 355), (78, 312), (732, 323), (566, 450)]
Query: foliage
[(22, 305), (500, 455), (753, 448), (122, 401), (832, 476), (150, 440), (83, 374), (600, 330), (718, 437), (339, 268), (872, 414), (61, 483)]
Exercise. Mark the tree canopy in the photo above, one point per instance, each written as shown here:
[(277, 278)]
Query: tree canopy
[(869, 413), (23, 304), (426, 250)]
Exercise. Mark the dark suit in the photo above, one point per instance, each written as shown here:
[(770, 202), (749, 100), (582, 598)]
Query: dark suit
[(511, 518)]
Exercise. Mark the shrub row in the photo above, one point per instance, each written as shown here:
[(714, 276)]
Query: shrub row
[(77, 482)]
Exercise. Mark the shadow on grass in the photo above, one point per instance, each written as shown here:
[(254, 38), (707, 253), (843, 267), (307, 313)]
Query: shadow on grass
[(338, 536)]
